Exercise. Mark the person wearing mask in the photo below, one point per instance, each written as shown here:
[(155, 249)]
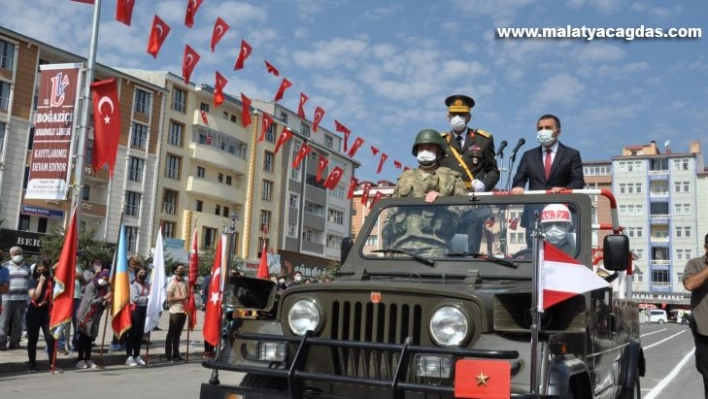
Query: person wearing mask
[(14, 302), (139, 294), (93, 302), (37, 316), (557, 227), (695, 280), (551, 166), (177, 297)]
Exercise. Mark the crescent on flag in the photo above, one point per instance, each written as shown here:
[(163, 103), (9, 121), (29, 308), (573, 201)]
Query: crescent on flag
[(159, 29), (188, 60), (105, 100)]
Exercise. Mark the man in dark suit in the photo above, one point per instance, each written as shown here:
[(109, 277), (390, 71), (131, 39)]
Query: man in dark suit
[(550, 166)]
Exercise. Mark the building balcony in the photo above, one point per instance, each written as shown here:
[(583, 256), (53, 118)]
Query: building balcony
[(659, 219), (659, 241), (657, 175), (660, 263), (215, 191), (218, 158), (101, 175), (94, 209)]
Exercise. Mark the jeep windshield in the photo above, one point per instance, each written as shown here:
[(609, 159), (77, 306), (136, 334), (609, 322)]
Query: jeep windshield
[(458, 229)]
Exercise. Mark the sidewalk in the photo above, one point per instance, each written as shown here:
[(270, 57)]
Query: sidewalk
[(15, 361)]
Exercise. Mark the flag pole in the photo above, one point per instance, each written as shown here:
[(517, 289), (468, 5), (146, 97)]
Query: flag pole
[(536, 301), (226, 274)]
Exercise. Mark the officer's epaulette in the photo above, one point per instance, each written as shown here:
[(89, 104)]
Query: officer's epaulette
[(483, 133)]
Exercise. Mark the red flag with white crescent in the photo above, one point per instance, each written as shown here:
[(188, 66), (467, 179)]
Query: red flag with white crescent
[(107, 120), (285, 135), (271, 69), (397, 164), (355, 147), (192, 8), (124, 11), (321, 165), (245, 110), (353, 182), (212, 314), (189, 61), (219, 85), (158, 34), (301, 154), (284, 85), (191, 307), (319, 114), (374, 150), (343, 129), (333, 179), (365, 193), (205, 119), (242, 55), (301, 105), (220, 28), (267, 121), (377, 197), (383, 159)]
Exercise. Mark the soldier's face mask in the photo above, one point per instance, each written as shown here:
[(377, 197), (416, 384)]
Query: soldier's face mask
[(426, 157), (458, 123), (555, 233)]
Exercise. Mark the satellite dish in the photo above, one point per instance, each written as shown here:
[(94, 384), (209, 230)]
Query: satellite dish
[(666, 143)]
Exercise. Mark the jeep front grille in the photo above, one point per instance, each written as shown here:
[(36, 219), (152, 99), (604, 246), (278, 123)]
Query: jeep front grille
[(368, 322)]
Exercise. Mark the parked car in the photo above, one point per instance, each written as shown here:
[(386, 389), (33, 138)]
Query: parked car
[(657, 316)]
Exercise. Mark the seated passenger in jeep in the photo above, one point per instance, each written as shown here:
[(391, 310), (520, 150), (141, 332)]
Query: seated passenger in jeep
[(557, 226)]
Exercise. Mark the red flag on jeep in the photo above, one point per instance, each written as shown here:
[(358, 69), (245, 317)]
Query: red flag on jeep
[(482, 379)]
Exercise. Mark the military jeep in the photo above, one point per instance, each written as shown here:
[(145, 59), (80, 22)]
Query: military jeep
[(414, 314)]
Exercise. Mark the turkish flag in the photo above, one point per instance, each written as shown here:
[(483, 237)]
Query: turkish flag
[(482, 379), (301, 154), (212, 314), (301, 105), (158, 34), (124, 11), (106, 120), (284, 85), (220, 28), (263, 271), (267, 121), (374, 150), (377, 197), (271, 69), (357, 143), (193, 274), (383, 159), (365, 193), (245, 110), (242, 55), (285, 135), (192, 7), (321, 165), (514, 224), (189, 61), (221, 82), (343, 129), (353, 182), (333, 179), (204, 117), (64, 279), (319, 114), (397, 164)]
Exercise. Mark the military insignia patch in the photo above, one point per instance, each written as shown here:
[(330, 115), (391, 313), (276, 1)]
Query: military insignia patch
[(483, 133), (375, 296)]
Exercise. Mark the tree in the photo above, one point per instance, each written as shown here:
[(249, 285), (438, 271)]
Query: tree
[(89, 249)]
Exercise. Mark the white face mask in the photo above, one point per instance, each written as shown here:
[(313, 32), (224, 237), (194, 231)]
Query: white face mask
[(281, 281), (457, 123), (17, 258), (298, 278), (426, 157), (555, 235), (102, 282), (545, 137)]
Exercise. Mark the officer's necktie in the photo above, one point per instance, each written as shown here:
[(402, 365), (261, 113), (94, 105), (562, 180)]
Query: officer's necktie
[(459, 141), (548, 163)]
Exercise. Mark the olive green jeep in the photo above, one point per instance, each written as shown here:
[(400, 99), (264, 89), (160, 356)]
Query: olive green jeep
[(415, 313)]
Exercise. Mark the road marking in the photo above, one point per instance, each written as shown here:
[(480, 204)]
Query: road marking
[(663, 340), (663, 383), (654, 332)]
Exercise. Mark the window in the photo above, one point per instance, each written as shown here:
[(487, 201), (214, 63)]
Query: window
[(635, 232), (209, 235), (268, 162), (168, 229), (305, 129), (173, 167), (307, 235), (234, 118), (204, 107), (179, 100), (7, 54), (86, 193), (639, 254), (660, 277), (220, 177), (329, 142), (217, 210), (292, 230), (135, 169), (226, 115), (3, 126), (201, 172), (335, 216), (226, 212), (284, 117), (24, 224), (339, 192), (294, 200), (681, 163), (334, 241), (139, 136), (131, 237), (295, 150), (169, 202), (142, 102), (228, 180), (270, 133), (683, 232), (132, 203), (372, 241), (265, 221), (176, 134), (4, 96), (267, 191), (314, 208), (199, 205)]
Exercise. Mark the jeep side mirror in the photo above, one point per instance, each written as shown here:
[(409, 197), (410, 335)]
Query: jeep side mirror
[(615, 252), (347, 244)]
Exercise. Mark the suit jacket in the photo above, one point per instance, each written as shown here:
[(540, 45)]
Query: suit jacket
[(477, 152)]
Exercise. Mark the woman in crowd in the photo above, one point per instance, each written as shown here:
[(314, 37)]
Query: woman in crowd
[(94, 300), (37, 315), (139, 293)]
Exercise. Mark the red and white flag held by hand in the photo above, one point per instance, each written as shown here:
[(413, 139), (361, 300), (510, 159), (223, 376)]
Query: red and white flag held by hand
[(284, 85), (190, 60), (220, 28), (242, 55), (124, 11), (319, 114), (301, 105), (106, 114), (158, 34), (192, 8), (212, 314), (562, 277), (221, 82)]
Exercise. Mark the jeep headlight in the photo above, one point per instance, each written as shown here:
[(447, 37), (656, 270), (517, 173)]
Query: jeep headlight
[(303, 315), (448, 326)]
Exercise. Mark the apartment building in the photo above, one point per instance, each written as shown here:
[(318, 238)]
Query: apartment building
[(129, 194)]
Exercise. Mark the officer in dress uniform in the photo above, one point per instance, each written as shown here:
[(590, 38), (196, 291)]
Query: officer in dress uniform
[(471, 153)]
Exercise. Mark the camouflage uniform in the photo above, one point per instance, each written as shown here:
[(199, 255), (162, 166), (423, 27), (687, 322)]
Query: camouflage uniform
[(418, 182)]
